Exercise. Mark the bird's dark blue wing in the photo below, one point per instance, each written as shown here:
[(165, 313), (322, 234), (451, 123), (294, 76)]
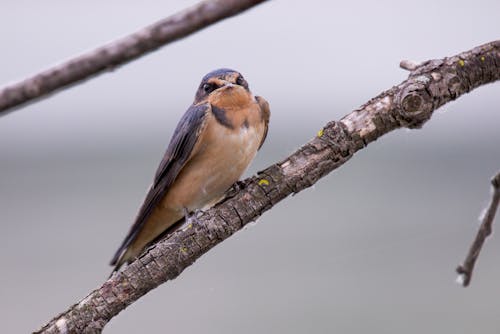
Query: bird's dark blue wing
[(178, 153)]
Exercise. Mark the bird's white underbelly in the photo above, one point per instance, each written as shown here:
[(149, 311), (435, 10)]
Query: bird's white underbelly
[(237, 150)]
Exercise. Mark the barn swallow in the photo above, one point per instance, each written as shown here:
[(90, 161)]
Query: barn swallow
[(211, 147)]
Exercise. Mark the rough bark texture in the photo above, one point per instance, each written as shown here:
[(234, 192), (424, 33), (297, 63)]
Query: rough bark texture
[(410, 104), (125, 49)]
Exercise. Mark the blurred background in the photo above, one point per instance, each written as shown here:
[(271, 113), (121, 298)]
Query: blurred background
[(372, 247)]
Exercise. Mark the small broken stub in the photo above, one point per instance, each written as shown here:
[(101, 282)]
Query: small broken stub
[(409, 65)]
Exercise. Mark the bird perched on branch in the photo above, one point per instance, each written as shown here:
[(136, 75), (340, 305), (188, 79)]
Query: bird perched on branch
[(211, 147)]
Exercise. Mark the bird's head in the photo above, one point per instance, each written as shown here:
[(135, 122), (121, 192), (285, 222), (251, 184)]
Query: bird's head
[(223, 86)]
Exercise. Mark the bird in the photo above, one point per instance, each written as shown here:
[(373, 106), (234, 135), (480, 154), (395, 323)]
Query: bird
[(213, 144)]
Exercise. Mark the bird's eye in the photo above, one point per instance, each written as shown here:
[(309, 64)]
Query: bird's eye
[(240, 81), (208, 87)]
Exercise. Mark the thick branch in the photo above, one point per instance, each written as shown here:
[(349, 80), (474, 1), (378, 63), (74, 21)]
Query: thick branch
[(121, 51), (465, 270), (410, 104)]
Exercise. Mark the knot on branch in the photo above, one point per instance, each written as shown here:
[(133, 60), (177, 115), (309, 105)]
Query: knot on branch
[(414, 103)]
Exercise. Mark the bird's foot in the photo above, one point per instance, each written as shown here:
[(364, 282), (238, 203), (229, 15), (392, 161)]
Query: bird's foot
[(235, 188), (192, 218), (240, 185)]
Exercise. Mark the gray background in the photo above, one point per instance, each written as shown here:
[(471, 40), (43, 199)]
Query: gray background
[(372, 247)]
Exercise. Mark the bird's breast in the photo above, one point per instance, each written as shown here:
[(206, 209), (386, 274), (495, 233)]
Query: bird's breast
[(223, 156)]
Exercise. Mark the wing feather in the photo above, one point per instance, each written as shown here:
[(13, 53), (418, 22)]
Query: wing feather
[(265, 114), (177, 154)]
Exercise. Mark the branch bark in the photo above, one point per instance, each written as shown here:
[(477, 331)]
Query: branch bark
[(409, 104), (121, 51)]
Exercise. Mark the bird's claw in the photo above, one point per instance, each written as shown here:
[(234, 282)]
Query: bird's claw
[(235, 188), (190, 218)]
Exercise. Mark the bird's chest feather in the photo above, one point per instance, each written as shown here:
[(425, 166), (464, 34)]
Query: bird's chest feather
[(232, 150), (222, 157), (225, 155)]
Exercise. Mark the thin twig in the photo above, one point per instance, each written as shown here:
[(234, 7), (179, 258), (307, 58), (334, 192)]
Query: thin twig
[(409, 104), (121, 51), (466, 269)]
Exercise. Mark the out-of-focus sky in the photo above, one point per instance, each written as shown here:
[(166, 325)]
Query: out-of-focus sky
[(372, 247)]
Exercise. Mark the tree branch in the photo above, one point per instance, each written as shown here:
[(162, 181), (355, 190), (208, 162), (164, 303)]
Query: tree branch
[(121, 51), (410, 104), (465, 270)]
